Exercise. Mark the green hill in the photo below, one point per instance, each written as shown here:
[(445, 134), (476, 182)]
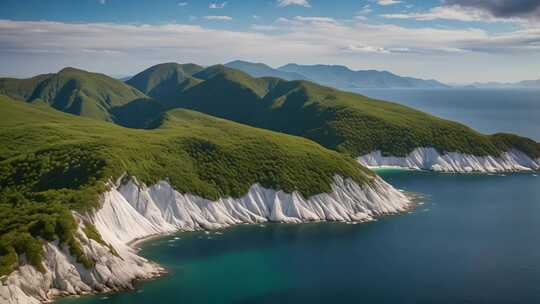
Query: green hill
[(343, 121), (166, 81), (77, 92), (52, 162)]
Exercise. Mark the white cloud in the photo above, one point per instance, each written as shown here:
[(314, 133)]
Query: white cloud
[(111, 47), (450, 12), (283, 3), (304, 33), (182, 3), (105, 52), (388, 2), (220, 18), (366, 10), (217, 5), (264, 28), (291, 23), (524, 10), (366, 49), (315, 19)]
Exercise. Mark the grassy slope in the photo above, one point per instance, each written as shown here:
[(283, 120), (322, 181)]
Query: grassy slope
[(343, 121), (52, 162), (167, 80), (75, 91)]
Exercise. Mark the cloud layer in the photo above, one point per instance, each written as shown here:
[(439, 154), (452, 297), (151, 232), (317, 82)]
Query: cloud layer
[(521, 11), (44, 46), (503, 8), (221, 18), (217, 5), (283, 3), (388, 2)]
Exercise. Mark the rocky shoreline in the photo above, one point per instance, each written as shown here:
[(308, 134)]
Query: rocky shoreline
[(131, 212), (453, 162)]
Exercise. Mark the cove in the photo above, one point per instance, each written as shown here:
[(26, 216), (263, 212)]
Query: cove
[(474, 240)]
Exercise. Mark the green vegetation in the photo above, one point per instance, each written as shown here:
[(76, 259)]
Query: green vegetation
[(91, 232), (346, 122), (166, 81), (22, 226), (74, 91), (52, 162)]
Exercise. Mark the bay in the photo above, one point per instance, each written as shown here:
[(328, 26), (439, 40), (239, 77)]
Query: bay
[(474, 240)]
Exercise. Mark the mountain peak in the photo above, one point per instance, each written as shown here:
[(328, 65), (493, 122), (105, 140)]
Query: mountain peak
[(243, 62), (263, 70), (173, 66), (151, 80), (74, 91), (71, 70), (220, 69)]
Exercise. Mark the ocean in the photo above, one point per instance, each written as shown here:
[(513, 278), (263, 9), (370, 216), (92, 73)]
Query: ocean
[(486, 110)]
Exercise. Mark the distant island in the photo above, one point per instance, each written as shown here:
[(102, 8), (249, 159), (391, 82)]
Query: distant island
[(525, 84)]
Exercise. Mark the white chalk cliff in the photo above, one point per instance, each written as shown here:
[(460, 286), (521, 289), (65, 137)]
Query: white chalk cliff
[(64, 276), (431, 159), (133, 211)]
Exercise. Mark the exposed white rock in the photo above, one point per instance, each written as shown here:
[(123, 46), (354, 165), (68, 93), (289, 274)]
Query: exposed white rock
[(133, 211), (14, 295), (430, 159), (64, 276)]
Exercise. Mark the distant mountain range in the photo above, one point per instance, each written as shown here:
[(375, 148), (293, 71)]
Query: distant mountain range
[(335, 76), (263, 70), (520, 84)]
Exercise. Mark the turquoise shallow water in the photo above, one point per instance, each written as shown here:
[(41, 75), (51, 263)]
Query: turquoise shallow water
[(474, 240)]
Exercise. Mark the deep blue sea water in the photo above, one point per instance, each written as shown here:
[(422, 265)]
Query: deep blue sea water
[(486, 110), (475, 238)]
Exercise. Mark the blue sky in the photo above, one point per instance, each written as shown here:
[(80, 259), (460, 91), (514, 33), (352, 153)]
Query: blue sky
[(450, 40), (152, 11)]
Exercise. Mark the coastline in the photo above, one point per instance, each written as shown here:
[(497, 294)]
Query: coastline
[(430, 159), (137, 244), (132, 214)]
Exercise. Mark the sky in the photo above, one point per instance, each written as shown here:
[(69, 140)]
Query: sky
[(455, 41)]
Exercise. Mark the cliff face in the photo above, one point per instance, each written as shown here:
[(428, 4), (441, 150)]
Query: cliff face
[(133, 211), (430, 159), (63, 275)]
